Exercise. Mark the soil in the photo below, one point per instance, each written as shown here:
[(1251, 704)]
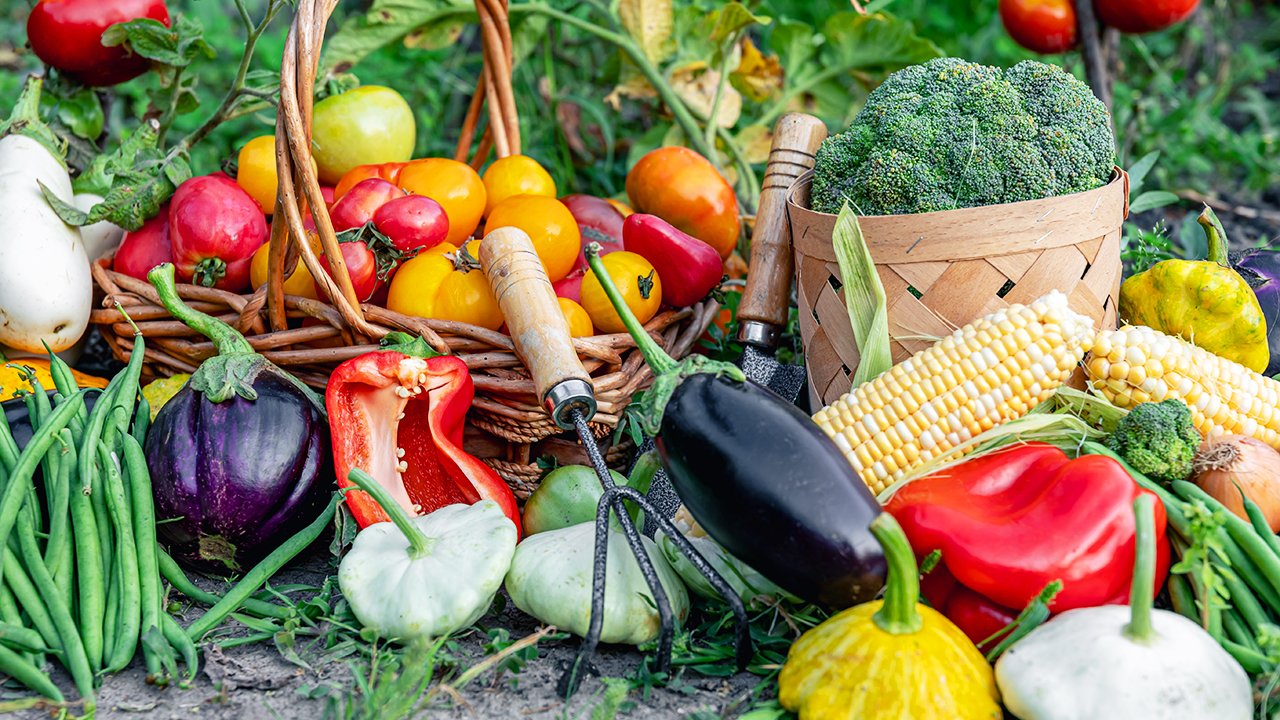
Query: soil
[(264, 686)]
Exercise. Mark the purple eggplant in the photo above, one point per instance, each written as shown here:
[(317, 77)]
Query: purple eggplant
[(1260, 268), (239, 457)]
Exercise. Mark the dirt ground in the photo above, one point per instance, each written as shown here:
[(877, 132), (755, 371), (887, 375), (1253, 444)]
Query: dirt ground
[(270, 688)]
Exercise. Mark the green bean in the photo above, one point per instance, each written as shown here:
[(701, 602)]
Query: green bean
[(262, 572), (89, 575), (126, 397), (126, 639), (1260, 524), (22, 671), (1249, 572), (29, 598), (179, 639), (1237, 631), (12, 501), (1184, 601), (93, 430), (22, 639), (144, 532), (65, 381), (73, 657), (111, 615), (101, 517), (142, 420), (57, 551), (8, 446), (1245, 603), (1250, 660), (10, 614), (170, 571), (1240, 531)]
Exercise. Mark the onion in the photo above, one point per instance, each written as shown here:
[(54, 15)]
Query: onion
[(1223, 462)]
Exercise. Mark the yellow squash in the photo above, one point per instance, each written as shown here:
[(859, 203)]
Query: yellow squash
[(1204, 302), (13, 384), (890, 659)]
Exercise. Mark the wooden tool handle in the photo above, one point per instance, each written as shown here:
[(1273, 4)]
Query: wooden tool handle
[(796, 138), (534, 319)]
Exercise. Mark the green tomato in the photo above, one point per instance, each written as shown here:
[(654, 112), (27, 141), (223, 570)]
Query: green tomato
[(567, 496), (365, 126)]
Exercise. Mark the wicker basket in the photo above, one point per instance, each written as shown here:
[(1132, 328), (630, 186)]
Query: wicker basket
[(942, 270), (509, 423)]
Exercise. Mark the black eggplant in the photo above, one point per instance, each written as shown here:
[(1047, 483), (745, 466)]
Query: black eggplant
[(758, 474), (239, 457), (1260, 268)]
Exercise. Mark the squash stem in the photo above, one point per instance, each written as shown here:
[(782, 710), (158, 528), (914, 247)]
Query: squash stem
[(898, 615), (420, 545), (225, 338), (659, 361), (1216, 233), (1139, 628)]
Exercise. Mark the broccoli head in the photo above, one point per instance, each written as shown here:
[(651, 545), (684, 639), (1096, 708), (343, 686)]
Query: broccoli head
[(950, 134), (1158, 440)]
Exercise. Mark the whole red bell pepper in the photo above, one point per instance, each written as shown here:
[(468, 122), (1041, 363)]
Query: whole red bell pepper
[(1011, 522), (399, 417)]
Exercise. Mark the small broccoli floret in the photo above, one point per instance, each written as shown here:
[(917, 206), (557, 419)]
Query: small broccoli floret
[(1158, 440), (951, 134)]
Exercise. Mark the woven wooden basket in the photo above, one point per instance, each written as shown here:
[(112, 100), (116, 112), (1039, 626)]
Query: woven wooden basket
[(510, 427), (942, 270)]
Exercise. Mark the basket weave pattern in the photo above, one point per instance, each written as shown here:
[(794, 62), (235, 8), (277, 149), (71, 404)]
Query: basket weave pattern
[(943, 270), (505, 404)]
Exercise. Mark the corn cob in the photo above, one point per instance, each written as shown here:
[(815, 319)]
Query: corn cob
[(1136, 364), (984, 374)]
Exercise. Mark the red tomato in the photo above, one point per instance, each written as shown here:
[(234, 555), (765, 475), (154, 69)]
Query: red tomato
[(326, 193), (598, 221), (145, 248), (215, 227), (359, 204), (413, 221), (387, 171), (362, 266), (1043, 26), (1143, 16), (570, 288), (67, 35)]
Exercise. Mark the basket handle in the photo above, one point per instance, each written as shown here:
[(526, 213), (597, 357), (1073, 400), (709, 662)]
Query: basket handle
[(796, 138), (537, 325)]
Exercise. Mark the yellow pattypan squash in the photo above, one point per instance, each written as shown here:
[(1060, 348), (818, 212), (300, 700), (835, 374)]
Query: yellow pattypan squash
[(160, 391), (890, 659), (1204, 302)]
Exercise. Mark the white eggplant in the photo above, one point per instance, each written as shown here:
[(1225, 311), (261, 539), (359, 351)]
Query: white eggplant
[(100, 236), (45, 286), (1124, 662)]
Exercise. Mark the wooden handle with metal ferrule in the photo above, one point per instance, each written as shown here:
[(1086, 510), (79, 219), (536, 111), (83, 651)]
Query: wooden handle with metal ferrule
[(796, 138), (537, 325)]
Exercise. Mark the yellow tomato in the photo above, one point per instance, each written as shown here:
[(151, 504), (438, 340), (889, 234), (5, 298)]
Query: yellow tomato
[(256, 171), (300, 283), (439, 284), (515, 175), (454, 185), (637, 281), (550, 226), (579, 320)]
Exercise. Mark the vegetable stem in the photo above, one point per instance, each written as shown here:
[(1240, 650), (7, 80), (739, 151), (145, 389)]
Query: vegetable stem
[(420, 545), (1216, 233), (1139, 628), (224, 337), (898, 615), (657, 358)]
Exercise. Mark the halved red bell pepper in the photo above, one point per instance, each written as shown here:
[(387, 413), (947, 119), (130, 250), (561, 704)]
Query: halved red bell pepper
[(1011, 522), (400, 418)]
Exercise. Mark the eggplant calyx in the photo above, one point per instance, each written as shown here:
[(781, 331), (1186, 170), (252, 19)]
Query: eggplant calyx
[(237, 365), (409, 345), (667, 371)]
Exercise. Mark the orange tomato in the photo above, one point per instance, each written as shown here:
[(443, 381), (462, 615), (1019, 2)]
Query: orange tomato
[(386, 171), (550, 226), (438, 284), (300, 283), (515, 175), (637, 281), (579, 320), (685, 189), (256, 173), (455, 186)]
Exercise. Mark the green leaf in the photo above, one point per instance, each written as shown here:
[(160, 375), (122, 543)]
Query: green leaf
[(795, 43), (78, 109), (864, 296), (1151, 200), (649, 22), (735, 17), (390, 20), (526, 35), (140, 180), (188, 100), (1138, 172), (879, 41), (175, 46)]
